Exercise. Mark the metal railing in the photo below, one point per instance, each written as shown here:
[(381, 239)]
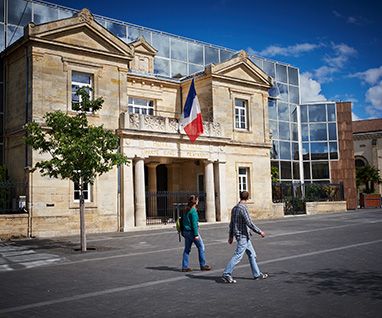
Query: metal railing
[(164, 207), (12, 197)]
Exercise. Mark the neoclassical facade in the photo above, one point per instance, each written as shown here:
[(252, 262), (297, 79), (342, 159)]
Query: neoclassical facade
[(44, 68)]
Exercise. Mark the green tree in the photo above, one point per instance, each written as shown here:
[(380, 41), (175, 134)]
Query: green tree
[(78, 151), (367, 176), (275, 174)]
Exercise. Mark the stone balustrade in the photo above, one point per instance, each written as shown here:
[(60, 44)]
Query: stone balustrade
[(159, 124)]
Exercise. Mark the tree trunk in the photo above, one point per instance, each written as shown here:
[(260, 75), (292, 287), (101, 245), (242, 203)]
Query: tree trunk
[(82, 220)]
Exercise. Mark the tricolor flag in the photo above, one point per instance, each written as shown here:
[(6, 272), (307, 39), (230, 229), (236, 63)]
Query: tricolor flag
[(191, 120)]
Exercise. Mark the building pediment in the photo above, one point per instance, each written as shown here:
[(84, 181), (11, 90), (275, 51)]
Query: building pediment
[(80, 32), (241, 68), (142, 46)]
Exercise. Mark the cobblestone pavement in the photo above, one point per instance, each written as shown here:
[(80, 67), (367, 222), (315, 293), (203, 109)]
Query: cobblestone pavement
[(318, 265)]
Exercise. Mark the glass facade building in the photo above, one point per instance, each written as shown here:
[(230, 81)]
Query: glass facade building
[(303, 145)]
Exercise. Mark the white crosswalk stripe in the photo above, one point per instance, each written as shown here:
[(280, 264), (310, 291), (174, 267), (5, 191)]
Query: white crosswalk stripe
[(16, 257)]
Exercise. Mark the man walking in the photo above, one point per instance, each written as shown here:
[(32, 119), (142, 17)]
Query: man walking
[(238, 228)]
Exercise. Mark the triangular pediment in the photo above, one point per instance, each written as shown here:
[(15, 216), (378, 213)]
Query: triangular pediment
[(142, 46), (241, 68), (80, 32)]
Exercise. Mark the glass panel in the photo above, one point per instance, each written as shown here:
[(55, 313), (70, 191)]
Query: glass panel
[(296, 170), (146, 34), (286, 170), (212, 55), (283, 91), (2, 39), (320, 170), (269, 68), (225, 55), (293, 113), (195, 53), (162, 44), (1, 10), (294, 128), (293, 75), (295, 151), (272, 110), (283, 110), (117, 29), (306, 170), (14, 33), (81, 77), (284, 131), (305, 132), (19, 13), (161, 67), (305, 150), (281, 73), (294, 94), (333, 149), (275, 153), (133, 33), (304, 113), (319, 150), (63, 14), (317, 113), (318, 132), (178, 50), (285, 150), (331, 108), (43, 13), (332, 127), (178, 69), (273, 129), (257, 61), (195, 68)]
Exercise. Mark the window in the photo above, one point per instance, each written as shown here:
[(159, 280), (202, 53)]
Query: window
[(241, 111), (243, 179), (80, 80), (86, 192), (141, 106)]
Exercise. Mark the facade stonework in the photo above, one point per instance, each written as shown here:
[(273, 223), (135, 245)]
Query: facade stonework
[(40, 73)]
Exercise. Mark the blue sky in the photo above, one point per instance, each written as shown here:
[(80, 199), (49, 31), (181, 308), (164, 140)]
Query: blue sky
[(337, 45)]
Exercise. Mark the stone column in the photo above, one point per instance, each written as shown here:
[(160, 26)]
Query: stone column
[(220, 185), (139, 187), (210, 191), (127, 202), (152, 186)]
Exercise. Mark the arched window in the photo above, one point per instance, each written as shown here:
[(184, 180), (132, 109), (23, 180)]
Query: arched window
[(360, 162)]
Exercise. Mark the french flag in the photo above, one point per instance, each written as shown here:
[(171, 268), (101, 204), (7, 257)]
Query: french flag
[(191, 120)]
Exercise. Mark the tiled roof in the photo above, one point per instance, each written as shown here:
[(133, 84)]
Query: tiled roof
[(365, 126)]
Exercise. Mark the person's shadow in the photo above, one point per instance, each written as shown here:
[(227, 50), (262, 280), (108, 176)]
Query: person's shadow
[(165, 268)]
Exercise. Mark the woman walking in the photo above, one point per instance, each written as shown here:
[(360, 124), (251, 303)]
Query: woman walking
[(191, 235)]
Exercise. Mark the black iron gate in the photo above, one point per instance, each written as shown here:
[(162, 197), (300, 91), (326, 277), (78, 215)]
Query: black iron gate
[(161, 206)]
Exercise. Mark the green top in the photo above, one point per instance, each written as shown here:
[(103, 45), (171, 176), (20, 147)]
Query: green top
[(190, 221)]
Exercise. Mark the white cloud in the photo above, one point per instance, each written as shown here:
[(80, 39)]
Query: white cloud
[(355, 117), (342, 53), (323, 74), (370, 76), (292, 50), (374, 97), (310, 89)]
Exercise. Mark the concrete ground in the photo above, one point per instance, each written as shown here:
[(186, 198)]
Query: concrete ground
[(319, 266)]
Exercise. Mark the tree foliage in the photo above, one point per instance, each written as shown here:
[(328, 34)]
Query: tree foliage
[(367, 176), (78, 151)]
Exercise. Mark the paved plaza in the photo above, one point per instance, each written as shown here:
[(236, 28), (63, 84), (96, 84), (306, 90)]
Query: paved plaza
[(319, 266)]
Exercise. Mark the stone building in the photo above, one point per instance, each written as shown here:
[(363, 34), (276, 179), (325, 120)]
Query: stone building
[(45, 66), (367, 136)]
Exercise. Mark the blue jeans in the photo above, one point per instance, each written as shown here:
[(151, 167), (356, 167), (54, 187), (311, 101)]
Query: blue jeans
[(188, 240), (243, 245)]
